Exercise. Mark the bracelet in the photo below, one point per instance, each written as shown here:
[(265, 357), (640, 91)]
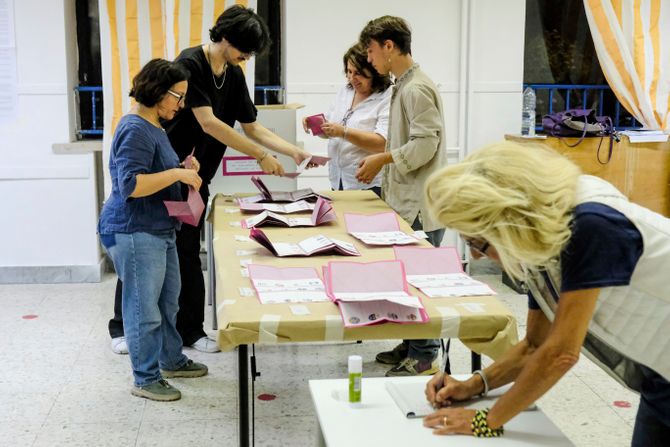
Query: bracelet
[(480, 426), (345, 132), (481, 374), (262, 157)]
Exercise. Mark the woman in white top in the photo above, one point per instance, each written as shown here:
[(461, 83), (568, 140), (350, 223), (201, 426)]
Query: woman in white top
[(357, 122)]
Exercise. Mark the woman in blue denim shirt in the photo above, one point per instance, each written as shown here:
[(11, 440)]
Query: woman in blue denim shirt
[(139, 235)]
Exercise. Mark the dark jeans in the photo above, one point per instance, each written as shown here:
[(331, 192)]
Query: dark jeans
[(191, 314), (425, 349), (652, 423), (376, 189)]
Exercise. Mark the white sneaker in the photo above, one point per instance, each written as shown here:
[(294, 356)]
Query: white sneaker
[(119, 345), (206, 344)]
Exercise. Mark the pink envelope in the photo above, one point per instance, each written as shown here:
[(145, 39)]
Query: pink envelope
[(314, 123), (371, 223), (319, 160), (190, 210), (429, 261)]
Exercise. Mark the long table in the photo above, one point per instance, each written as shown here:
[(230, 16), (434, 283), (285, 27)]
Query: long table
[(486, 328)]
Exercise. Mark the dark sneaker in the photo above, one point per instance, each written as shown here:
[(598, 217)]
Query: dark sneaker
[(413, 367), (160, 391), (393, 357), (190, 369)]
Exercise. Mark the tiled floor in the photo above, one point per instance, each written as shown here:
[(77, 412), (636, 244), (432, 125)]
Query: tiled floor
[(62, 386)]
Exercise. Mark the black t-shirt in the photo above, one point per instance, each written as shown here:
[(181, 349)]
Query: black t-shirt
[(230, 103), (602, 252)]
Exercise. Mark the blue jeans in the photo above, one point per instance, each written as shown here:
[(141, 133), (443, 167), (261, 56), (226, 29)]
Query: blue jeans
[(424, 350), (149, 269)]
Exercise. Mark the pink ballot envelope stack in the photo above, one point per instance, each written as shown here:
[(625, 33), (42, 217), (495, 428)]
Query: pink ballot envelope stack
[(318, 244), (438, 272), (372, 293), (377, 229), (275, 285), (323, 212), (280, 196), (190, 210), (314, 123)]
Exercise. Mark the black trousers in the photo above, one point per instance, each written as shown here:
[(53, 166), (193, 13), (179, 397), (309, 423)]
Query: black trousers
[(191, 313)]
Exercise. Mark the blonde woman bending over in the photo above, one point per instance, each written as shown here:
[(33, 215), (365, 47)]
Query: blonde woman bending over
[(595, 265)]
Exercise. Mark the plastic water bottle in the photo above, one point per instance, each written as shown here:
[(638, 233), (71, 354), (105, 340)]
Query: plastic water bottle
[(528, 113)]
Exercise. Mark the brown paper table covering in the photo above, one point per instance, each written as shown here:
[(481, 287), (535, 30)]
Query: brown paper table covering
[(244, 320)]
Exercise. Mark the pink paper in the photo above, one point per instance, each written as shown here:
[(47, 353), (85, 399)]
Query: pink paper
[(190, 210), (319, 160), (361, 277), (429, 261), (371, 223), (314, 123)]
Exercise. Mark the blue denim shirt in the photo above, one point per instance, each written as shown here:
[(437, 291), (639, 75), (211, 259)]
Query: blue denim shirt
[(138, 147)]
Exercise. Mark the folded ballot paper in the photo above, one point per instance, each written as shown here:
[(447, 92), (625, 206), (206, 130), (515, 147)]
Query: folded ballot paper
[(280, 196), (282, 208), (410, 397), (377, 229), (372, 293), (286, 284), (438, 272), (317, 160), (189, 210), (318, 244), (323, 212)]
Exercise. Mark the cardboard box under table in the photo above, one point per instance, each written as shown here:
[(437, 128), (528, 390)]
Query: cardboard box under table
[(482, 323)]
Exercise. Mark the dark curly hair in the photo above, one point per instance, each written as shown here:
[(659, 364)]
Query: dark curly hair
[(358, 57), (155, 79), (243, 29), (390, 28)]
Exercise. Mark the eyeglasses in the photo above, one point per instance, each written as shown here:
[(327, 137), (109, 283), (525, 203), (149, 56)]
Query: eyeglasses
[(180, 97), (478, 245), (346, 116)]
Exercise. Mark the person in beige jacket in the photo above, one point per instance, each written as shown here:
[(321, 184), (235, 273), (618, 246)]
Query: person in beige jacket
[(415, 148)]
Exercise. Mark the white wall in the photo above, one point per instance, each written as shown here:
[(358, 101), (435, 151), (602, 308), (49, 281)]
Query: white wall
[(50, 200)]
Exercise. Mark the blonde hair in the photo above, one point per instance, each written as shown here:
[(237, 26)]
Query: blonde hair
[(518, 198)]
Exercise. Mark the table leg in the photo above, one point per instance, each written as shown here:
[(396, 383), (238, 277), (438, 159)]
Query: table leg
[(476, 361), (211, 271), (243, 394)]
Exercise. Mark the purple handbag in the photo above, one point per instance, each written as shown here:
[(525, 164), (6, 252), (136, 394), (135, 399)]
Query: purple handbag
[(581, 123)]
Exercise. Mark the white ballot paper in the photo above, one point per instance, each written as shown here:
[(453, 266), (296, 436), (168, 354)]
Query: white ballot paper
[(276, 285), (438, 272), (410, 398)]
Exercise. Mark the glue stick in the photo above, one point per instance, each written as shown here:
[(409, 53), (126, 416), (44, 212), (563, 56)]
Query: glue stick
[(355, 379)]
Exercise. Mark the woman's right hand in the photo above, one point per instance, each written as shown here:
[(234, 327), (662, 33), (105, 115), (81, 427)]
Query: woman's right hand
[(271, 165), (304, 125), (442, 390), (189, 177)]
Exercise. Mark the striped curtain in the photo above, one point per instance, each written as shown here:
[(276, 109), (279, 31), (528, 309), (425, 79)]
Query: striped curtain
[(132, 32), (632, 40)]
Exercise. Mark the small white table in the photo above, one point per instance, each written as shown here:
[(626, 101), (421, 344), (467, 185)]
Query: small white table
[(378, 421)]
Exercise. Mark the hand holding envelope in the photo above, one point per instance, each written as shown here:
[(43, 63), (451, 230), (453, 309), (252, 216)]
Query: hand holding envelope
[(190, 210)]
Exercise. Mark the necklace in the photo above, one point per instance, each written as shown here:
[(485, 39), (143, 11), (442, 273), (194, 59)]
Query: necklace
[(225, 66)]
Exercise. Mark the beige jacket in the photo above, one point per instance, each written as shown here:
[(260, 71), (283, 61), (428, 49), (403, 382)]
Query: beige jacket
[(417, 144)]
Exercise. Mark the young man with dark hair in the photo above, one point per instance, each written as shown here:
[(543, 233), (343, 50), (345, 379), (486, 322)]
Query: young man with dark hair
[(415, 148), (217, 97)]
